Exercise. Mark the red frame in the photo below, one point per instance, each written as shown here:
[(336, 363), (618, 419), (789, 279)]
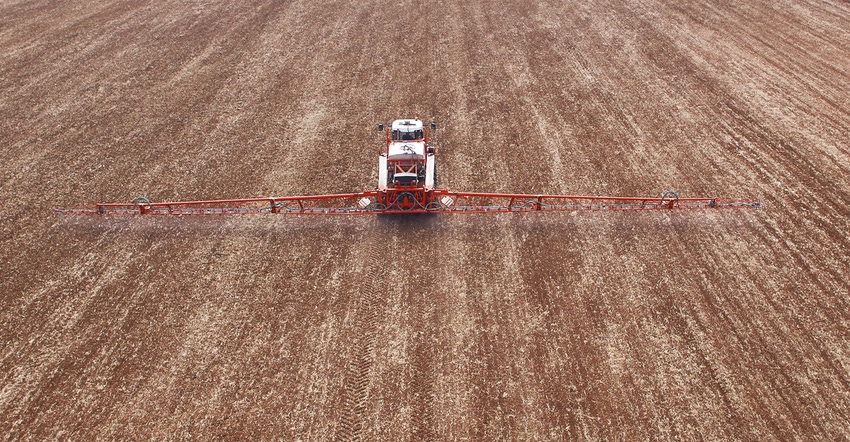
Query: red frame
[(407, 200)]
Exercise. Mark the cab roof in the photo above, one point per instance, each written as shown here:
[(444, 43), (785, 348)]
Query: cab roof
[(408, 125)]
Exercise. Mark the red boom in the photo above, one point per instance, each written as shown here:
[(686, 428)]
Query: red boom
[(406, 201), (406, 184)]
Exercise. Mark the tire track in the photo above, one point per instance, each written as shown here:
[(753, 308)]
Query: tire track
[(356, 386), (422, 382)]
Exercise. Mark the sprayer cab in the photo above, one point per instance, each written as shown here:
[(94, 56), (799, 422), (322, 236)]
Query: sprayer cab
[(407, 161), (407, 130)]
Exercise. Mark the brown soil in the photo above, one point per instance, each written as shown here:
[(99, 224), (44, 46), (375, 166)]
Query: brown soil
[(700, 325)]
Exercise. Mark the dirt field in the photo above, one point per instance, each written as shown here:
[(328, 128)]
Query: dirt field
[(716, 325)]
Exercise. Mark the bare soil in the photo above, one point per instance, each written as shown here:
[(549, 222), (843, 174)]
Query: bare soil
[(717, 325)]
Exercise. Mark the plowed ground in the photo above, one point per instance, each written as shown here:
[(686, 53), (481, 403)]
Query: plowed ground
[(701, 325)]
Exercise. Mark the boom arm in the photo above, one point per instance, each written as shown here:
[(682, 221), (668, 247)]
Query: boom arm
[(498, 202), (433, 201)]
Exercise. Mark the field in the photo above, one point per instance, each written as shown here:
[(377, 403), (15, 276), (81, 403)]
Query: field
[(715, 325)]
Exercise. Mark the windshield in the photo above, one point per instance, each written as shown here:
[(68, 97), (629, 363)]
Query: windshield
[(399, 135)]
